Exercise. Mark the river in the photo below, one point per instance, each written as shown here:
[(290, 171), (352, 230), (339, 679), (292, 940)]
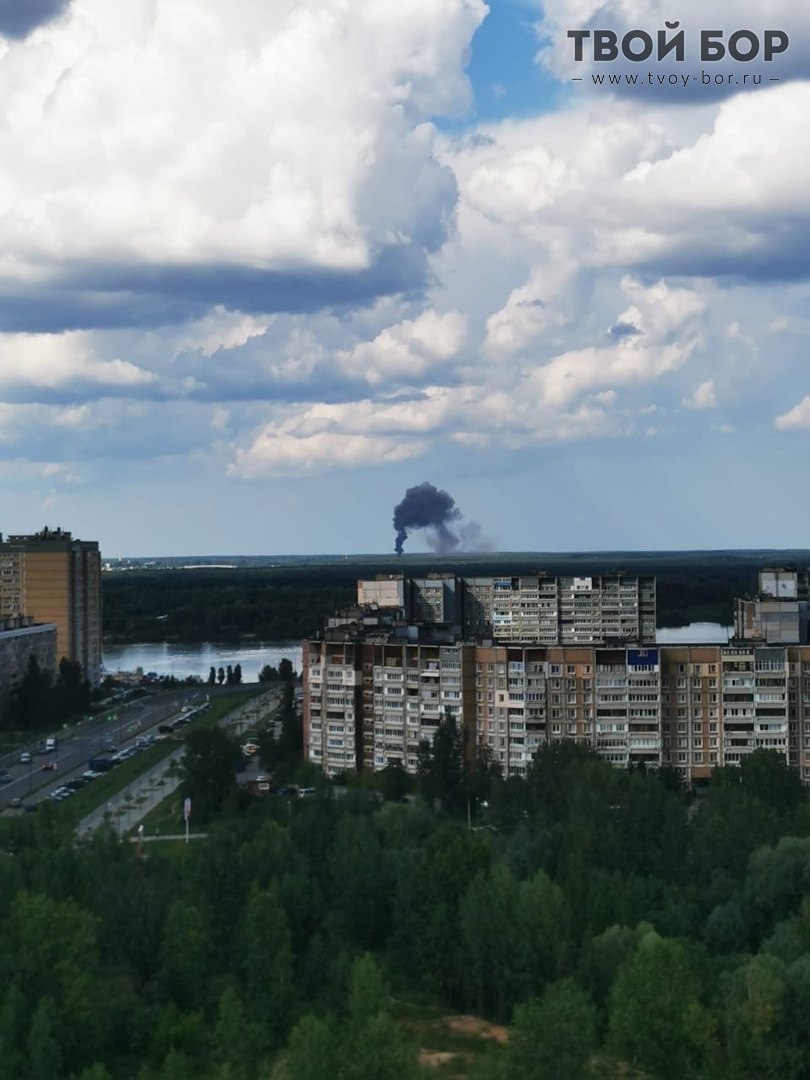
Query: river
[(184, 660)]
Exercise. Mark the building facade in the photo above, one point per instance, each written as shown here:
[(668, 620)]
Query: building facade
[(368, 704), (377, 684), (778, 614), (19, 640), (587, 610), (54, 579)]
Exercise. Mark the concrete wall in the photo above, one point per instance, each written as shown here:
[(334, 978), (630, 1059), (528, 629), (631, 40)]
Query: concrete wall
[(15, 648)]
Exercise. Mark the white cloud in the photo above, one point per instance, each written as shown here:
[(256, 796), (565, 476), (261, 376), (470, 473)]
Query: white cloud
[(410, 349), (227, 131), (284, 452), (222, 329), (797, 419), (704, 397), (48, 361)]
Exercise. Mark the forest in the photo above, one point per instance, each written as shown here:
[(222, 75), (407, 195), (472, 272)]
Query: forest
[(618, 927), (291, 603)]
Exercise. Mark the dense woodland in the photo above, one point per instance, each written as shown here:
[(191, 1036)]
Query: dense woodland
[(609, 918), (285, 604)]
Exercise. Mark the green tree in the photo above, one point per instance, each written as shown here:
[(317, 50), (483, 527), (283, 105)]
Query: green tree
[(237, 674), (236, 1041), (440, 769), (394, 783), (50, 952), (553, 1038), (314, 1050), (268, 674), (212, 676), (765, 775), (358, 893), (71, 691), (265, 961), (657, 1020), (186, 956), (291, 740), (286, 671), (221, 676), (756, 1000), (30, 702), (209, 770), (44, 1053)]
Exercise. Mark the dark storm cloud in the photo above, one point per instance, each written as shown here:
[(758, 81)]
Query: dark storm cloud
[(141, 297), (778, 251), (19, 17)]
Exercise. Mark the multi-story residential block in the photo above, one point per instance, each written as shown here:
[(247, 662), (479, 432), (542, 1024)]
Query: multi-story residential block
[(20, 639), (52, 578), (777, 615), (539, 610), (377, 685), (369, 704)]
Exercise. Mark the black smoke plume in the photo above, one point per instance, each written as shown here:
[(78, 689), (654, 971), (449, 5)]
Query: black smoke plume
[(426, 507)]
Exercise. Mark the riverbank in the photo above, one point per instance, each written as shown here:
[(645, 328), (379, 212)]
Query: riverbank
[(182, 661)]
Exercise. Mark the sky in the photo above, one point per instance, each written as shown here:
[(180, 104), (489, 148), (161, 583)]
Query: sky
[(264, 267)]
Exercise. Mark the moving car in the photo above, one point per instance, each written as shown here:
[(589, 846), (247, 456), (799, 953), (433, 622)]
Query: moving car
[(6, 778), (25, 757), (48, 766)]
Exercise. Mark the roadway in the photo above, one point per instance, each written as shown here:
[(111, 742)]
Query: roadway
[(90, 738)]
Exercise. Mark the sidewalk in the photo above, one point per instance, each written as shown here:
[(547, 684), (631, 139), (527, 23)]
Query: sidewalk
[(128, 808)]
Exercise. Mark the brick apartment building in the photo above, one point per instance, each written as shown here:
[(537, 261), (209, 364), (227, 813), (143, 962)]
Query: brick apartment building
[(51, 578), (377, 681)]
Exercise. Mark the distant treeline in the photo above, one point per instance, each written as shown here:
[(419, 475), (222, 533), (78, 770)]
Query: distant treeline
[(283, 604)]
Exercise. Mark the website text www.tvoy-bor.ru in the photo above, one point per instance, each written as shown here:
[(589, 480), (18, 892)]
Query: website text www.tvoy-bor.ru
[(651, 78)]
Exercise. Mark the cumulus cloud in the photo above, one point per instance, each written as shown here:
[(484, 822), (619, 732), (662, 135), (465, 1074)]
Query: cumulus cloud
[(408, 349), (286, 452), (221, 330), (704, 397), (797, 419), (158, 134), (241, 268), (50, 361), (717, 191), (571, 396)]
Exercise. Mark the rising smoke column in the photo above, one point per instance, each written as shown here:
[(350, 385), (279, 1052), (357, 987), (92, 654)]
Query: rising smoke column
[(426, 507)]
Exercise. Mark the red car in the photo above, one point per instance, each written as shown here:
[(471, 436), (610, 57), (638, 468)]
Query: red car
[(48, 766)]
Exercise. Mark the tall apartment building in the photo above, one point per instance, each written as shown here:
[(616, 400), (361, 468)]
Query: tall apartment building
[(376, 685), (52, 578), (537, 610), (778, 614), (368, 703)]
